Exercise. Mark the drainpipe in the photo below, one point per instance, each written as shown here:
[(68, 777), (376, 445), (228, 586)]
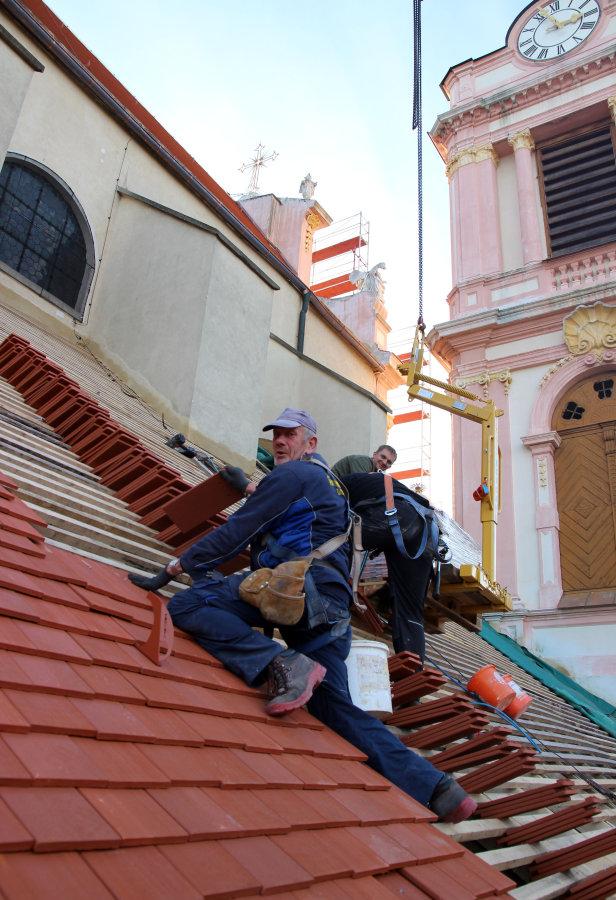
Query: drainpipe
[(301, 324)]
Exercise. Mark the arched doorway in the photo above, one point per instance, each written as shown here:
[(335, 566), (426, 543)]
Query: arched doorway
[(585, 468)]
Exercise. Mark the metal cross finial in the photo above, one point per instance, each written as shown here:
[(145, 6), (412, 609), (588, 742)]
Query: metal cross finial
[(255, 165)]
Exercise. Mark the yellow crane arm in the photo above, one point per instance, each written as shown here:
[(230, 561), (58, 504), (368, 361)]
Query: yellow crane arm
[(463, 403)]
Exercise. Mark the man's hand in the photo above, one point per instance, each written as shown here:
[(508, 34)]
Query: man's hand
[(155, 582), (234, 476)]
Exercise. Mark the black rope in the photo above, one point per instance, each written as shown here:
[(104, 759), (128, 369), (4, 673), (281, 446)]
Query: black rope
[(417, 125)]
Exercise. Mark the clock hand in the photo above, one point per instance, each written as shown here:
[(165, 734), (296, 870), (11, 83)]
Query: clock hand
[(573, 18), (547, 15)]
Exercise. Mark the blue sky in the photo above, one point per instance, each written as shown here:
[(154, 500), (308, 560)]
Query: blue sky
[(325, 84)]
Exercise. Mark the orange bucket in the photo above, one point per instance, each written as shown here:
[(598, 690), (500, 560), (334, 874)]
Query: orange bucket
[(520, 703), (491, 687)]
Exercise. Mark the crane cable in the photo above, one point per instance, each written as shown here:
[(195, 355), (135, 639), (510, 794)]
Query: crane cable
[(417, 125)]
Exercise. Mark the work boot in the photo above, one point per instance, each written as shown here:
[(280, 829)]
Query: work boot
[(292, 678), (450, 802)]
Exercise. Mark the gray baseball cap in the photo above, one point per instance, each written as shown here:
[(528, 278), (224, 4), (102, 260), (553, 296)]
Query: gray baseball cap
[(293, 418)]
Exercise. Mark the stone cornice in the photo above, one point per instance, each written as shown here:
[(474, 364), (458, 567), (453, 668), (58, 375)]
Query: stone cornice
[(493, 106), (475, 331)]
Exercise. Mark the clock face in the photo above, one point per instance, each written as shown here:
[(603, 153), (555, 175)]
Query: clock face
[(557, 28)]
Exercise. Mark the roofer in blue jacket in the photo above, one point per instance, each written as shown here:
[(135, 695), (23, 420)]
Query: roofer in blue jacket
[(293, 511)]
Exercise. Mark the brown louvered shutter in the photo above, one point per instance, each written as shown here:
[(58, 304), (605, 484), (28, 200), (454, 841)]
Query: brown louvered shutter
[(579, 184)]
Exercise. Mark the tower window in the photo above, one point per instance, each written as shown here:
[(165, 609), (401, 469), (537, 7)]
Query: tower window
[(579, 187), (604, 389), (43, 234)]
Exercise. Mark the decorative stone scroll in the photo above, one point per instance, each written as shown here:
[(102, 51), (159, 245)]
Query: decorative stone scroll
[(590, 329), (522, 140), (611, 102), (471, 155), (484, 378)]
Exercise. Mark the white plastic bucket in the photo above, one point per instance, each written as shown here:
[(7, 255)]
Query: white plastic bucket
[(369, 677)]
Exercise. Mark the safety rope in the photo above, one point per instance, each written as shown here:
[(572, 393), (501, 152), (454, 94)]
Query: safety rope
[(417, 125), (535, 742)]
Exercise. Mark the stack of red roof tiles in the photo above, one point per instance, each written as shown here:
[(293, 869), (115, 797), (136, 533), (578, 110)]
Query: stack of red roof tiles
[(119, 778)]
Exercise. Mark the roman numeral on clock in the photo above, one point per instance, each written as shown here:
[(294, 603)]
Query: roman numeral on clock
[(543, 54), (555, 5), (530, 50)]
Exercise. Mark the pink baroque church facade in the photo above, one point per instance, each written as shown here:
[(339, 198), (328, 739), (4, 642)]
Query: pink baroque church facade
[(529, 145)]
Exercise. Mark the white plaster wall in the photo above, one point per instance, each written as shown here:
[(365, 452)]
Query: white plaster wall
[(523, 391), (349, 422), (165, 287), (508, 210), (15, 78), (585, 652)]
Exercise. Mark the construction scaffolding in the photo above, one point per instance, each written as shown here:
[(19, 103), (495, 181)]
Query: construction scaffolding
[(340, 256)]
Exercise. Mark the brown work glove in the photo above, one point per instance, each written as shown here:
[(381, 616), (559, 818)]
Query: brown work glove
[(278, 593)]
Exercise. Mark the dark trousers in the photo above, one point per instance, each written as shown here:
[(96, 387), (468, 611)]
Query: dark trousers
[(213, 613), (408, 578)]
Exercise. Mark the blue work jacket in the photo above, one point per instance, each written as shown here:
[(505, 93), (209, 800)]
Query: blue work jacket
[(301, 505)]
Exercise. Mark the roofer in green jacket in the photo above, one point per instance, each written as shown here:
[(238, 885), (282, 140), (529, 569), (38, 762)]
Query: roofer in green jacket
[(382, 459)]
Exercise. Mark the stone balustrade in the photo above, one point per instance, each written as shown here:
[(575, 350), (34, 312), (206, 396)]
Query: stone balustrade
[(596, 268)]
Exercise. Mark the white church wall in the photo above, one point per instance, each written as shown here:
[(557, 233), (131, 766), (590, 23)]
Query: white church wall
[(184, 319), (17, 73), (584, 652)]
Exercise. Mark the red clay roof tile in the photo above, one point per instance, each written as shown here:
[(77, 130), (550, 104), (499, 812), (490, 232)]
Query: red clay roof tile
[(10, 717), (51, 713), (13, 835), (111, 750), (401, 886), (140, 873), (438, 884), (249, 809), (206, 766), (198, 813), (268, 864), (54, 643), (212, 870), (109, 684), (314, 853), (17, 525), (59, 818), (114, 721), (383, 806), (135, 816), (24, 545), (271, 769), (122, 764), (52, 675), (470, 871), (166, 726), (55, 759), (47, 876), (424, 842)]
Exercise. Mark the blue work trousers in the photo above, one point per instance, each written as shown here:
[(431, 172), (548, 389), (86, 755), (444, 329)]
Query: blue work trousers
[(213, 613)]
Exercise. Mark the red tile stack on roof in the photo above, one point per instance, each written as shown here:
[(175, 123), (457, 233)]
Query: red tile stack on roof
[(119, 777)]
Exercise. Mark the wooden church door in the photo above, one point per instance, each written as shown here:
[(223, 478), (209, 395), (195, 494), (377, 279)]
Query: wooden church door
[(586, 484)]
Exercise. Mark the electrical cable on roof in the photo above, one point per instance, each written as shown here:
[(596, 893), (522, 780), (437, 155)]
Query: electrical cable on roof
[(417, 125), (535, 742)]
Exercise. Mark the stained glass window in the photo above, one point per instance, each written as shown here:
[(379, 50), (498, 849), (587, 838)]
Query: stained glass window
[(40, 236)]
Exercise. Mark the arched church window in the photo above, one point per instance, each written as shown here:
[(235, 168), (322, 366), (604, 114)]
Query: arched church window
[(45, 240)]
